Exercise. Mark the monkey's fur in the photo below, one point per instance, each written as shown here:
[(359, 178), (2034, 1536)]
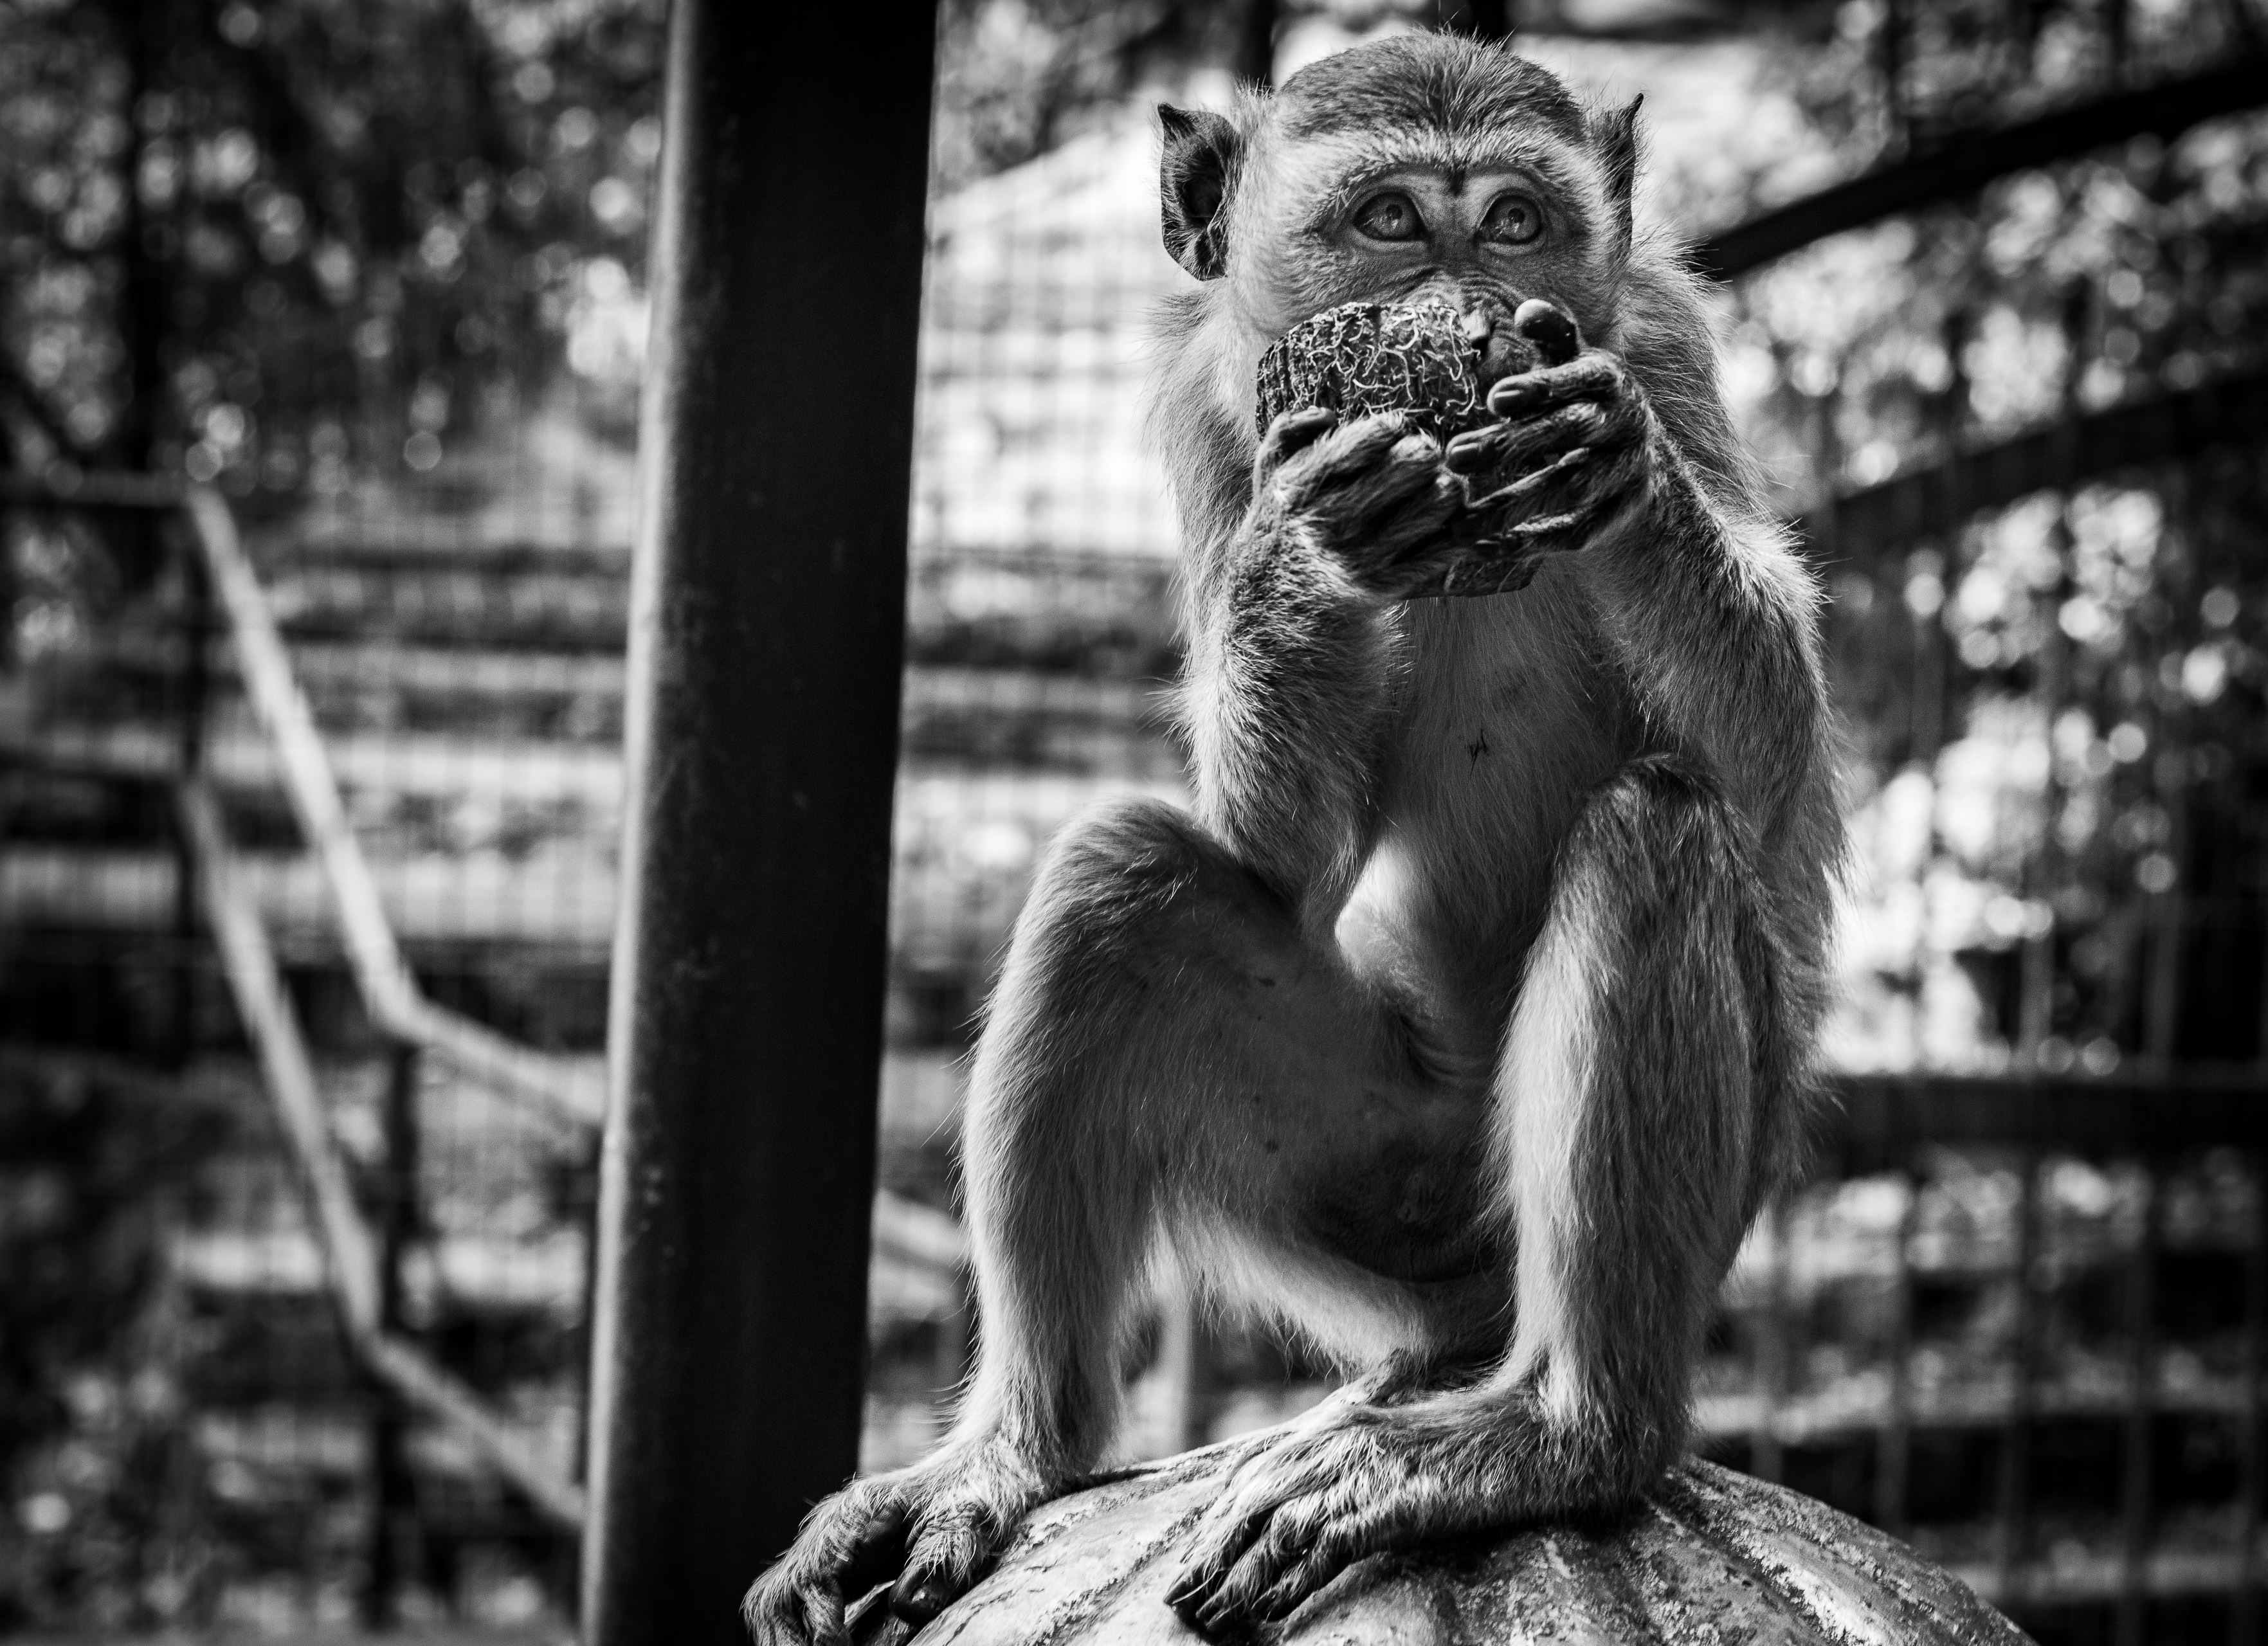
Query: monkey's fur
[(1464, 1025)]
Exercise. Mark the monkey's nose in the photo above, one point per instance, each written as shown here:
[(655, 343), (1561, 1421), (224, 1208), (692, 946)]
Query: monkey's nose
[(1485, 315), (1488, 327)]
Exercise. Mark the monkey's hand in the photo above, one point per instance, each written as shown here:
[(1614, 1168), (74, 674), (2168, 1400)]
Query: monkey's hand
[(1370, 1478), (1364, 498), (1578, 451), (933, 1528)]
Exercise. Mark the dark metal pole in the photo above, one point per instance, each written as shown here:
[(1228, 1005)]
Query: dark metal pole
[(394, 1488), (767, 605), (1255, 43)]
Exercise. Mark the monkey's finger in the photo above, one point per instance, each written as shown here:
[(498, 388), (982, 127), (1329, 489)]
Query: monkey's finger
[(1490, 567), (1593, 376), (1497, 455), (1293, 432), (1340, 453), (1531, 494), (1580, 496), (1553, 331), (1368, 504)]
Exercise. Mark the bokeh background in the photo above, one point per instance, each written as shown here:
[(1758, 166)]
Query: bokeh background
[(374, 270)]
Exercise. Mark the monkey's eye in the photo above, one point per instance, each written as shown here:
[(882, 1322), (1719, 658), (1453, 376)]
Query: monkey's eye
[(1390, 217), (1512, 220)]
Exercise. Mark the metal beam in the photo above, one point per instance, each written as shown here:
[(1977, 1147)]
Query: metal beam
[(767, 606), (1891, 517), (1874, 1122), (1958, 162)]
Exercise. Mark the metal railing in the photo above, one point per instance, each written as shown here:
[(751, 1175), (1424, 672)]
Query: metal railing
[(361, 1263)]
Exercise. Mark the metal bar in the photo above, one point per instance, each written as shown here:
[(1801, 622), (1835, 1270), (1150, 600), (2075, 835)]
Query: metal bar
[(1766, 1460), (1957, 163), (2014, 1484), (1255, 43), (2129, 1111), (1925, 692), (256, 983), (1485, 19), (767, 611), (193, 689), (2132, 1611), (389, 991), (1896, 39), (1880, 521), (392, 1486), (428, 1388), (1894, 1444), (68, 485), (2245, 1613)]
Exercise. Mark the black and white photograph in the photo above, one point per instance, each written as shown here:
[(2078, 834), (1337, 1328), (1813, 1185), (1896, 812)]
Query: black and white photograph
[(1073, 822)]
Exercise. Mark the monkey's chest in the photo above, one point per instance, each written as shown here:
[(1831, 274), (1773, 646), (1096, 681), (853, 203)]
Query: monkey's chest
[(1512, 722)]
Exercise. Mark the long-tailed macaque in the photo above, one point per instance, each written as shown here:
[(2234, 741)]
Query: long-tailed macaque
[(1463, 1025)]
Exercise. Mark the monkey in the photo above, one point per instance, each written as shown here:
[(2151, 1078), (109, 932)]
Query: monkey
[(1463, 1023)]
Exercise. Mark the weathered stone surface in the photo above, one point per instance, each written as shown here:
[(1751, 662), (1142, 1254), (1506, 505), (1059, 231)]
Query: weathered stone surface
[(1713, 1558)]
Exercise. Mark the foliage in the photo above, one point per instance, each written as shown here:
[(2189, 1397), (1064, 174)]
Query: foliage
[(94, 1166), (249, 242), (2074, 686)]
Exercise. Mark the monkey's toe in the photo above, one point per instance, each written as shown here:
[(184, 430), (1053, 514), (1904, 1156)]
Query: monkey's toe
[(789, 1608), (915, 1600), (952, 1548)]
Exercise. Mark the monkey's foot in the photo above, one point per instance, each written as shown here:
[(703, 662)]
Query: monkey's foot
[(934, 1528), (1302, 1511)]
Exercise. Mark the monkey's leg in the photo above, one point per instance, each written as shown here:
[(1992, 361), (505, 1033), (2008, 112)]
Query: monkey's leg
[(1164, 1051), (1645, 1082)]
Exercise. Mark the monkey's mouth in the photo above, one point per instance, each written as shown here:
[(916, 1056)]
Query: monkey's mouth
[(1504, 352)]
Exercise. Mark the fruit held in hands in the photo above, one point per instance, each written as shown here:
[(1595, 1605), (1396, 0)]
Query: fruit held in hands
[(1364, 357)]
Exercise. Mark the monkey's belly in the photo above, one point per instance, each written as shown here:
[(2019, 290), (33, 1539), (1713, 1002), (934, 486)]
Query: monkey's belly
[(1412, 1212)]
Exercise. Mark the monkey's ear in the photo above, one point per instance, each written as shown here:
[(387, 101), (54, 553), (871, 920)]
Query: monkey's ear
[(1193, 180), (1616, 135)]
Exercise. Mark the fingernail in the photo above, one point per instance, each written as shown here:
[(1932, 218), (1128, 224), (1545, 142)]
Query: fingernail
[(920, 1603)]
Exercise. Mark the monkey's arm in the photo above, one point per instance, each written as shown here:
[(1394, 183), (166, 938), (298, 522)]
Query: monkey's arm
[(1708, 612), (1295, 649)]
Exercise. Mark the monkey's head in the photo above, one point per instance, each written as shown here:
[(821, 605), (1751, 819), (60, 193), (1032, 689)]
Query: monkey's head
[(1424, 167)]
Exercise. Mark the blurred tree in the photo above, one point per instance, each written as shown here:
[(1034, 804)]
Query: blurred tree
[(1016, 77), (246, 241), (2076, 683)]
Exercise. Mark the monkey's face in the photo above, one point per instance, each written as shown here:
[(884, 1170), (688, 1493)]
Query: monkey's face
[(1423, 167), (1394, 224)]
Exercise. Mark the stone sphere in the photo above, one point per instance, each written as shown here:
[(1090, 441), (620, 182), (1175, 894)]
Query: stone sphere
[(1711, 1557)]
